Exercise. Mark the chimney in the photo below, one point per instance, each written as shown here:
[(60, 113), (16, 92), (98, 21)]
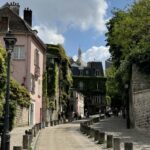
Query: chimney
[(28, 16), (14, 7)]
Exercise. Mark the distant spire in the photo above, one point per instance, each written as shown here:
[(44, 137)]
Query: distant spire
[(79, 53), (79, 60)]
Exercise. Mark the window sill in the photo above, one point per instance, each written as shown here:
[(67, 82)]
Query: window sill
[(15, 59)]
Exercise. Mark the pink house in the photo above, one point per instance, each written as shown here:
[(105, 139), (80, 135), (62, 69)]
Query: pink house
[(28, 58)]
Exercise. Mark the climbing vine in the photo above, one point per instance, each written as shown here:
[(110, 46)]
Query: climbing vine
[(59, 76), (18, 94)]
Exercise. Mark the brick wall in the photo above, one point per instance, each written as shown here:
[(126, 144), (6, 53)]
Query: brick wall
[(22, 116)]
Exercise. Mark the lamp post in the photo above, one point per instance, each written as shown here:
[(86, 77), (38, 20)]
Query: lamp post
[(127, 106), (10, 41)]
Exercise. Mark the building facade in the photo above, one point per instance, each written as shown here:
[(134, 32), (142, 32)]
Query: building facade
[(59, 81), (90, 81), (28, 58), (76, 104)]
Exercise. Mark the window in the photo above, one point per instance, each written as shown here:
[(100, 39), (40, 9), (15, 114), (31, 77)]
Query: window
[(32, 87), (81, 85), (97, 73), (81, 72), (36, 57), (87, 72), (39, 87), (19, 52)]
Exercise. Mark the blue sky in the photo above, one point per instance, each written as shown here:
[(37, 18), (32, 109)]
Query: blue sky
[(74, 23)]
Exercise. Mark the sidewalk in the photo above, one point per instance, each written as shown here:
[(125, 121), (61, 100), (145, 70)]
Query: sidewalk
[(16, 136), (117, 127)]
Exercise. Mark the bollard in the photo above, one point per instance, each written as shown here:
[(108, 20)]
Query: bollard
[(92, 131), (40, 126), (96, 119), (54, 122), (82, 127), (116, 144), (30, 139), (46, 124), (128, 146), (109, 141), (34, 128), (87, 130), (17, 148), (26, 141), (101, 139), (96, 135), (51, 123)]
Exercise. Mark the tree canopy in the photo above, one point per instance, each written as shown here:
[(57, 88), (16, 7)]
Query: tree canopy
[(128, 37)]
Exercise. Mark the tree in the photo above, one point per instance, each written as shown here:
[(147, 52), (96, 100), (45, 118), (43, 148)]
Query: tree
[(113, 92), (128, 37), (2, 78)]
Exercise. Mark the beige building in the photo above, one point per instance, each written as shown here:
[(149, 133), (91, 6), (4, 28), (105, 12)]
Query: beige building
[(28, 58), (77, 103)]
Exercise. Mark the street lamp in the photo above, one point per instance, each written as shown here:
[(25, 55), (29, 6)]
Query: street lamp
[(10, 41), (127, 106)]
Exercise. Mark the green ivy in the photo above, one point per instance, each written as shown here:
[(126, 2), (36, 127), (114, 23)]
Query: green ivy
[(63, 79), (18, 94)]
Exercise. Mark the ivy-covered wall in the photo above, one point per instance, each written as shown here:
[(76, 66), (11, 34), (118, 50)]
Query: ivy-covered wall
[(59, 78), (18, 94)]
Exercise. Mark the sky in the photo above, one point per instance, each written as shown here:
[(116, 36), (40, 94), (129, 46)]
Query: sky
[(74, 24)]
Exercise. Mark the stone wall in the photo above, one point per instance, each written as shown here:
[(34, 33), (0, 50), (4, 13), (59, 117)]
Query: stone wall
[(140, 81), (141, 105), (140, 99), (22, 117)]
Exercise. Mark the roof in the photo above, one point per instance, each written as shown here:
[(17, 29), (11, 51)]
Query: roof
[(16, 24)]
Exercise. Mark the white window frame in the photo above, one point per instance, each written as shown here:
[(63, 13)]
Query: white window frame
[(19, 52)]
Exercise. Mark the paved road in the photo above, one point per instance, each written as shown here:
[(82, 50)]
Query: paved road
[(64, 137)]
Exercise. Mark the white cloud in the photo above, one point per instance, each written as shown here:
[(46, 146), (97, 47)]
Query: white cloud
[(49, 35), (100, 53), (84, 14)]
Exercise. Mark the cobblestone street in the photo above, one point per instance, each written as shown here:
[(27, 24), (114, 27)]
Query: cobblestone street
[(69, 137), (66, 137), (117, 127)]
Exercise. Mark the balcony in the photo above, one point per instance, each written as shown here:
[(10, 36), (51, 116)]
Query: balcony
[(37, 72)]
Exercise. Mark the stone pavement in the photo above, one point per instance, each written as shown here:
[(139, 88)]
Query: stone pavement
[(117, 127), (64, 137), (16, 136)]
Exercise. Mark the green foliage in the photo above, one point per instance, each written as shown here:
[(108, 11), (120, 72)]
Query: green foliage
[(113, 86), (58, 51), (18, 94), (53, 84), (108, 100), (44, 85), (63, 80), (128, 37)]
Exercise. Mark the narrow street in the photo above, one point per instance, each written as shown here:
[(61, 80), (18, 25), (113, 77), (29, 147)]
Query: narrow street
[(65, 136)]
